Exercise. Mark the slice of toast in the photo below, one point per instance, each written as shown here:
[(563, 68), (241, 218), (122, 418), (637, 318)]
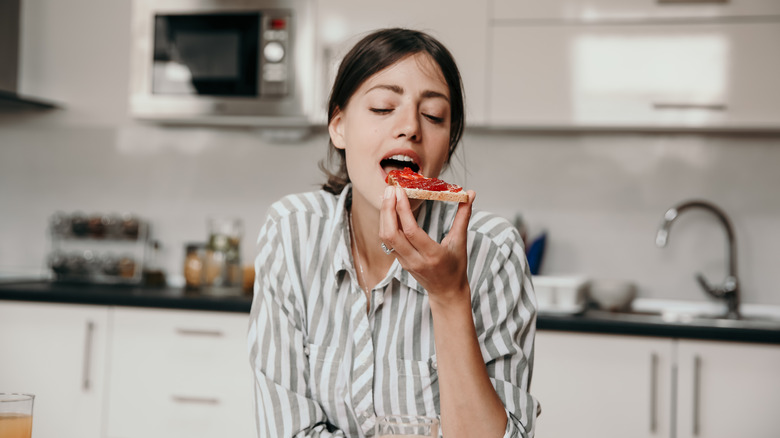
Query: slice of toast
[(409, 180), (437, 196)]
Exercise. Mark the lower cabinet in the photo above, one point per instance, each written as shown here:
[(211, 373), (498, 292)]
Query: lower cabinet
[(618, 386), (602, 386), (124, 372), (58, 353), (179, 374), (727, 390)]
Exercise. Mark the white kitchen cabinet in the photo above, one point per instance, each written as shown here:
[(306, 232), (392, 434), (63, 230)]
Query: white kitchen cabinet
[(629, 9), (461, 26), (699, 75), (619, 386), (179, 374), (602, 385), (58, 353), (728, 389)]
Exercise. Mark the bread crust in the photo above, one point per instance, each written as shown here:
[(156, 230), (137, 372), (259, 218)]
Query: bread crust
[(461, 196)]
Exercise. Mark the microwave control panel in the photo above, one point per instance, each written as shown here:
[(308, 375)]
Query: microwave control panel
[(275, 56)]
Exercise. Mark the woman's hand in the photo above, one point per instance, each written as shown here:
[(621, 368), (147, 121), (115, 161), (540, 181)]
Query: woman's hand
[(441, 268), (469, 403)]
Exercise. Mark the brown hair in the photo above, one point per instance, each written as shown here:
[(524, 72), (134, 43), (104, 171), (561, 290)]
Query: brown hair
[(374, 53)]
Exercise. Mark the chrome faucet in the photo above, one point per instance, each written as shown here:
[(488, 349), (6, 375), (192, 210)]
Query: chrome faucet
[(729, 290)]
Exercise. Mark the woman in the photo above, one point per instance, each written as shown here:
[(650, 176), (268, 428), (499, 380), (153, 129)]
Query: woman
[(368, 303)]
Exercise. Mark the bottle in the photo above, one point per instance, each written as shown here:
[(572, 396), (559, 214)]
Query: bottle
[(153, 274)]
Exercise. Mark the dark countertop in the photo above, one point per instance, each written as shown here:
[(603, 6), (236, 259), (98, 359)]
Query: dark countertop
[(653, 325), (124, 295), (177, 298)]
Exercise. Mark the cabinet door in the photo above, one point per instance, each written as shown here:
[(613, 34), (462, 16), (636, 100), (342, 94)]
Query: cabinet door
[(57, 352), (728, 390), (649, 76), (182, 373), (602, 385), (592, 10), (461, 27)]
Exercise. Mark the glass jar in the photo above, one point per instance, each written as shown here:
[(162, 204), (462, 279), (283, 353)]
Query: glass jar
[(223, 256), (194, 259)]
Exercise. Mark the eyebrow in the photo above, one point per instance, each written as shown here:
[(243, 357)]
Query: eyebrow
[(399, 90)]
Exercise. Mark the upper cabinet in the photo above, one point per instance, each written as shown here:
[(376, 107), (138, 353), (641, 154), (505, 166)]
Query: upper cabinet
[(634, 64), (462, 28), (590, 10), (587, 64)]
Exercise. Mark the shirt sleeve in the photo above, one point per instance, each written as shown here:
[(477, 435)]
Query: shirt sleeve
[(277, 353), (505, 319)]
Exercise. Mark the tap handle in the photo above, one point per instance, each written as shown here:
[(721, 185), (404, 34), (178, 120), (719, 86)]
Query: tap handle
[(717, 293)]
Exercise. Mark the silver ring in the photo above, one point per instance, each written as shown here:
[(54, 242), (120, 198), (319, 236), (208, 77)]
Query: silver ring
[(386, 249)]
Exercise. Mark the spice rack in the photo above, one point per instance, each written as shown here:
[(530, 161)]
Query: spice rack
[(98, 249)]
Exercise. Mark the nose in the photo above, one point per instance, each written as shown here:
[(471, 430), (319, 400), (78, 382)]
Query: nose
[(408, 124)]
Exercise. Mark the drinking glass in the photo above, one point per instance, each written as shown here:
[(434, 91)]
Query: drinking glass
[(410, 426), (16, 415)]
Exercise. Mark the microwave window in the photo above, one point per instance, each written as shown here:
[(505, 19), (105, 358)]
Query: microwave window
[(206, 54)]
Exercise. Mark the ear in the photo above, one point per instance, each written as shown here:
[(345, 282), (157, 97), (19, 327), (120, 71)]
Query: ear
[(336, 130)]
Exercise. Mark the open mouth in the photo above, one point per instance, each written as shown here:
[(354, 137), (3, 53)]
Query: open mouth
[(398, 162)]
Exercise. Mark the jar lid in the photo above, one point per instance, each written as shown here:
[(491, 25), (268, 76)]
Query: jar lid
[(194, 246)]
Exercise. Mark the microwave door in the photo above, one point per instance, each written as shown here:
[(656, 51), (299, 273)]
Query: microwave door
[(206, 55)]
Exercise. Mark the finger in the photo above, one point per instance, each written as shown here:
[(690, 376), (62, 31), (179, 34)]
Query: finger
[(413, 233), (388, 221), (460, 223), (389, 230)]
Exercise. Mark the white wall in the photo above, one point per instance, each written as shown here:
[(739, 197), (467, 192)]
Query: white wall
[(600, 196)]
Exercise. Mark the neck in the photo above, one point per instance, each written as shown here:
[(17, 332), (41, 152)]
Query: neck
[(365, 228), (365, 223)]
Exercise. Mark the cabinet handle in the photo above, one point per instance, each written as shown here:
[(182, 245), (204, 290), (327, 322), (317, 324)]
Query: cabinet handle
[(684, 106), (696, 393), (87, 368), (715, 2), (195, 400), (197, 332), (653, 393)]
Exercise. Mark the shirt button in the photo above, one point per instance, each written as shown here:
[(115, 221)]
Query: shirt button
[(434, 365), (306, 351)]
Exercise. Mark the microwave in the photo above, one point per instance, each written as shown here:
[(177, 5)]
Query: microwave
[(222, 62)]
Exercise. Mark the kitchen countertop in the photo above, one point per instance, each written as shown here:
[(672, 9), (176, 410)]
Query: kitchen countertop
[(597, 321), (177, 298), (124, 295)]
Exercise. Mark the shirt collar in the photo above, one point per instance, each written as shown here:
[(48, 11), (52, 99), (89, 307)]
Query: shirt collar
[(431, 218)]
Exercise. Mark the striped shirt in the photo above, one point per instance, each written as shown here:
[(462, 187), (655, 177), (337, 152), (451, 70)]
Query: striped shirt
[(324, 366)]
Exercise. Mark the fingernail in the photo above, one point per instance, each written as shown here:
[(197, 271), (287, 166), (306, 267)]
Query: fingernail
[(388, 192)]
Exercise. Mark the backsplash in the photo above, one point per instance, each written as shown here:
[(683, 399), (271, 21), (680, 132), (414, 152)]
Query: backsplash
[(601, 197)]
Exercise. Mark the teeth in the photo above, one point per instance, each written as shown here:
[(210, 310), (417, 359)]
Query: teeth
[(400, 157)]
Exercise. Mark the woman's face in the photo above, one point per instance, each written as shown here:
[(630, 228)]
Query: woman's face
[(399, 117)]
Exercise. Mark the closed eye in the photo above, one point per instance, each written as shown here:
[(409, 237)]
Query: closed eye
[(434, 119), (381, 110)]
